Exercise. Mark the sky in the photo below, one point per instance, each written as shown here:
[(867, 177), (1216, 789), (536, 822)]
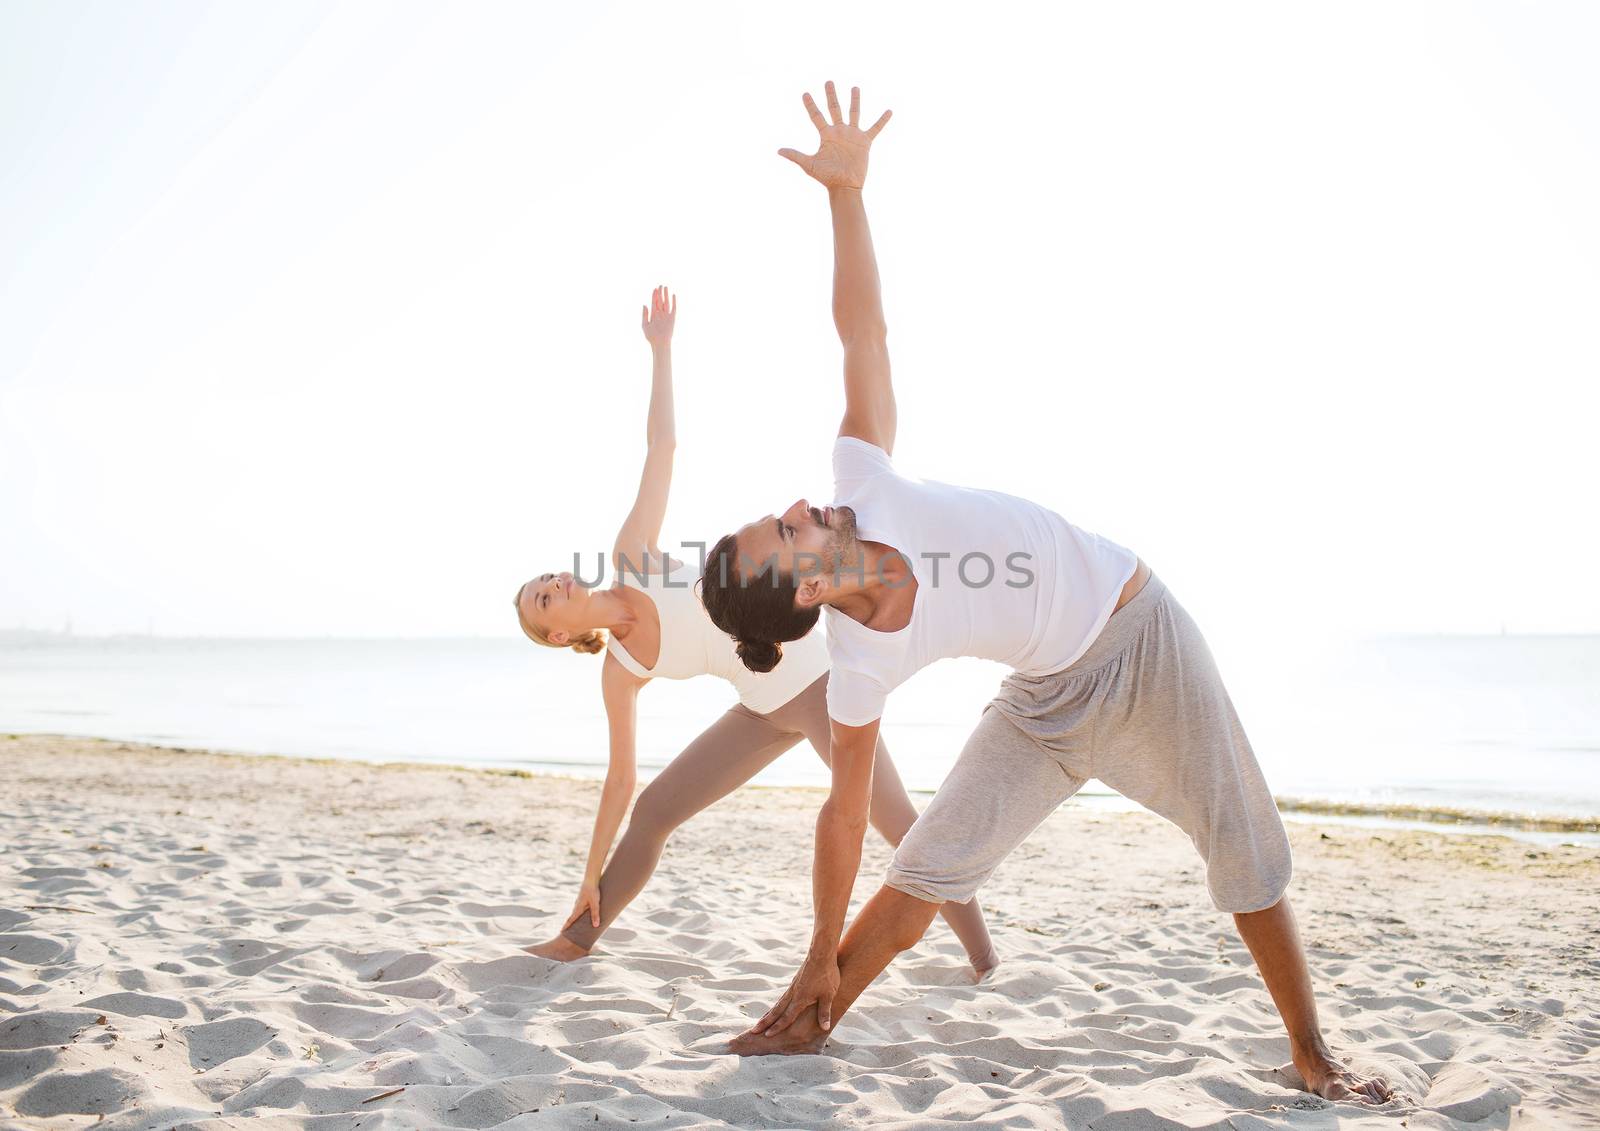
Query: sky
[(322, 319)]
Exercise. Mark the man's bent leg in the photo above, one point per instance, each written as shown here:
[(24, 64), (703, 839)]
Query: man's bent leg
[(891, 922), (892, 814), (1274, 943), (1001, 787)]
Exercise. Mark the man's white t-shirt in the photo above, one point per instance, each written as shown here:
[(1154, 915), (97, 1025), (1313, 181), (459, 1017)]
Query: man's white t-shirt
[(998, 577)]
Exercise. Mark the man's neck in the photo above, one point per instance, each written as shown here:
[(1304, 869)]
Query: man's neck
[(881, 593)]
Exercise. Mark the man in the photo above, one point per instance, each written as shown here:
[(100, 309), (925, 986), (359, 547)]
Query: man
[(1111, 679)]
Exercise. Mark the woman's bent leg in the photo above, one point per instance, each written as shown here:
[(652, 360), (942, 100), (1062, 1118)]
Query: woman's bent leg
[(729, 753), (892, 814)]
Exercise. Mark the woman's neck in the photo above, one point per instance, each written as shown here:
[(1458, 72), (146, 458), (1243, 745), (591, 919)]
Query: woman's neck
[(615, 612)]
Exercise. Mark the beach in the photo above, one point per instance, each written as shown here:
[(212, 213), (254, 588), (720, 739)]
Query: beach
[(202, 940)]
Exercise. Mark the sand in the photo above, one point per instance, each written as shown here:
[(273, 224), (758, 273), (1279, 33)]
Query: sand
[(200, 940)]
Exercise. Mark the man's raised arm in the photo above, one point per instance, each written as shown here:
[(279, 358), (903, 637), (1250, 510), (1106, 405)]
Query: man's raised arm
[(840, 165)]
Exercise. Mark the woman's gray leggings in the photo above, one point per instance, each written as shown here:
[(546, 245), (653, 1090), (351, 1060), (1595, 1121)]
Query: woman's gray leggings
[(729, 753)]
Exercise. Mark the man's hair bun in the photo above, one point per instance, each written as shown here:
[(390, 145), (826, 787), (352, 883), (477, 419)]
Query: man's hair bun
[(760, 655)]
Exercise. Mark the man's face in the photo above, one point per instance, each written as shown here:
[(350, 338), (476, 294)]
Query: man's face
[(804, 541)]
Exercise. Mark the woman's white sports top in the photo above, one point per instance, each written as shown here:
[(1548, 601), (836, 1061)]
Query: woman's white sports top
[(691, 645)]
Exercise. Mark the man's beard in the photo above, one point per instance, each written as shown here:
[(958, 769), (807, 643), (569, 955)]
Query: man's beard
[(843, 552)]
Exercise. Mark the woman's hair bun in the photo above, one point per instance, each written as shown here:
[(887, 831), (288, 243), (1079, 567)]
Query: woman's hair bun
[(760, 655), (589, 643)]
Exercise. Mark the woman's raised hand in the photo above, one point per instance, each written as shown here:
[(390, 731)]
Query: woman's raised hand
[(659, 316), (841, 157)]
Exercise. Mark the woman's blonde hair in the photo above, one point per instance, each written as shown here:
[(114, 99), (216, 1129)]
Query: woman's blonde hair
[(589, 643)]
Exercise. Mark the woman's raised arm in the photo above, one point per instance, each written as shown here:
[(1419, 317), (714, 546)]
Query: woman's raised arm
[(636, 541)]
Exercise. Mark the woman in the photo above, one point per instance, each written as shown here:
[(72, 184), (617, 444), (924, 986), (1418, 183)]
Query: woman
[(657, 628)]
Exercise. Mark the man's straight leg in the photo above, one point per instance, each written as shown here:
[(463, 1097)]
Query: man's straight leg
[(1180, 750), (1274, 943)]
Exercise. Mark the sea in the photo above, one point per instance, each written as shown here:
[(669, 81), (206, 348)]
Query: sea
[(1468, 732)]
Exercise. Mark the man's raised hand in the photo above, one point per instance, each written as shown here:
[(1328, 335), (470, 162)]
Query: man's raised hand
[(841, 157), (658, 319)]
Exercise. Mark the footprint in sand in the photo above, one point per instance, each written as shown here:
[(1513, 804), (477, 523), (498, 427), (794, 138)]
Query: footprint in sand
[(81, 1093), (390, 965), (218, 1042), (46, 1028), (1470, 1093), (32, 950)]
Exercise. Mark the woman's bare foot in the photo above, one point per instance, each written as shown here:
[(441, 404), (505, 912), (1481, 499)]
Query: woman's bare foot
[(984, 967), (1331, 1080), (558, 949), (804, 1036)]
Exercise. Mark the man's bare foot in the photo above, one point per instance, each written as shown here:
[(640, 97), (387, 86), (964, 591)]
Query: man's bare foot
[(1331, 1080), (804, 1036), (558, 949)]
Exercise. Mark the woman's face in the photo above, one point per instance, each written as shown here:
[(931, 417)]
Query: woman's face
[(558, 605)]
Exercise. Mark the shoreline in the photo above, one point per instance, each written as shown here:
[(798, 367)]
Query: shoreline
[(1443, 818), (1401, 815)]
